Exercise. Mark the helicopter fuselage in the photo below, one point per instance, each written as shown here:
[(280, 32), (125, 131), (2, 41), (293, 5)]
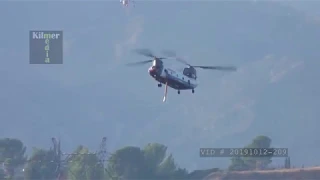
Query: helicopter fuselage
[(179, 80), (175, 79)]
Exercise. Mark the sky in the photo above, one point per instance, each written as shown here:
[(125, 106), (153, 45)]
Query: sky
[(92, 94)]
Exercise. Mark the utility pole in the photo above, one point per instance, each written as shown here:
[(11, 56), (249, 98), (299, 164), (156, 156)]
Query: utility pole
[(102, 155), (58, 159), (61, 159), (102, 152)]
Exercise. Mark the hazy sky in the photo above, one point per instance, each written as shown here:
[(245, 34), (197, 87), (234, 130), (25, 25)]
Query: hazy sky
[(93, 95)]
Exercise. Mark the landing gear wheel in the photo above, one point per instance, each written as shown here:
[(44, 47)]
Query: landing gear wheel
[(178, 91), (192, 90), (160, 85)]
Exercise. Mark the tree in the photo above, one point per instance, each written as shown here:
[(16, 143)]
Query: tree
[(12, 153), (237, 164), (258, 162), (161, 165), (149, 163), (260, 142), (41, 165), (158, 163), (154, 154), (249, 163), (84, 165), (167, 166), (128, 163)]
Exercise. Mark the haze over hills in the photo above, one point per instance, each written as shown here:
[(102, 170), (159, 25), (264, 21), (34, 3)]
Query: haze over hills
[(274, 93), (310, 7)]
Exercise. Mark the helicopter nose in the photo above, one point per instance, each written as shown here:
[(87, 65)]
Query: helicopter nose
[(152, 70)]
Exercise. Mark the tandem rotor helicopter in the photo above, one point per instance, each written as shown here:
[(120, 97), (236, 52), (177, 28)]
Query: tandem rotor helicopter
[(185, 80), (126, 2)]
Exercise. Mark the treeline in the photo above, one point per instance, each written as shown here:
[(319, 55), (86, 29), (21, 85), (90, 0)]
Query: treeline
[(149, 162), (256, 163)]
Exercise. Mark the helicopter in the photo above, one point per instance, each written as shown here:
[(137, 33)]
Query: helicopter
[(185, 80), (126, 2)]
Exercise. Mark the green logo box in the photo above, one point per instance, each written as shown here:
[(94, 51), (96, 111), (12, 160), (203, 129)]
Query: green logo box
[(46, 47)]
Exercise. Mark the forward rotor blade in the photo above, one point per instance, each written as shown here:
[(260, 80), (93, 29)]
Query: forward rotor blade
[(139, 63), (148, 53), (145, 52), (169, 53), (172, 54), (222, 68)]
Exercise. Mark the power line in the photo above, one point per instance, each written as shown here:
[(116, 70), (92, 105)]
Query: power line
[(61, 159)]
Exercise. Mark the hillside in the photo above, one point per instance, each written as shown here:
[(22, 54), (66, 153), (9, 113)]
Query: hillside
[(275, 92), (284, 174)]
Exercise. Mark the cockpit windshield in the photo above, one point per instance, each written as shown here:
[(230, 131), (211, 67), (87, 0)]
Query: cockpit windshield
[(190, 72)]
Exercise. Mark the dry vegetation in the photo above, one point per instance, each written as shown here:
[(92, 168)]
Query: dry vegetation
[(312, 173)]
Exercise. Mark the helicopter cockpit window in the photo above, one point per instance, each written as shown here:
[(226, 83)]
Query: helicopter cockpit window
[(189, 72)]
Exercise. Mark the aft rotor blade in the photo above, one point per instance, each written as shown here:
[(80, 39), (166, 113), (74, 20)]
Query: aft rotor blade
[(222, 68), (139, 63), (145, 52)]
